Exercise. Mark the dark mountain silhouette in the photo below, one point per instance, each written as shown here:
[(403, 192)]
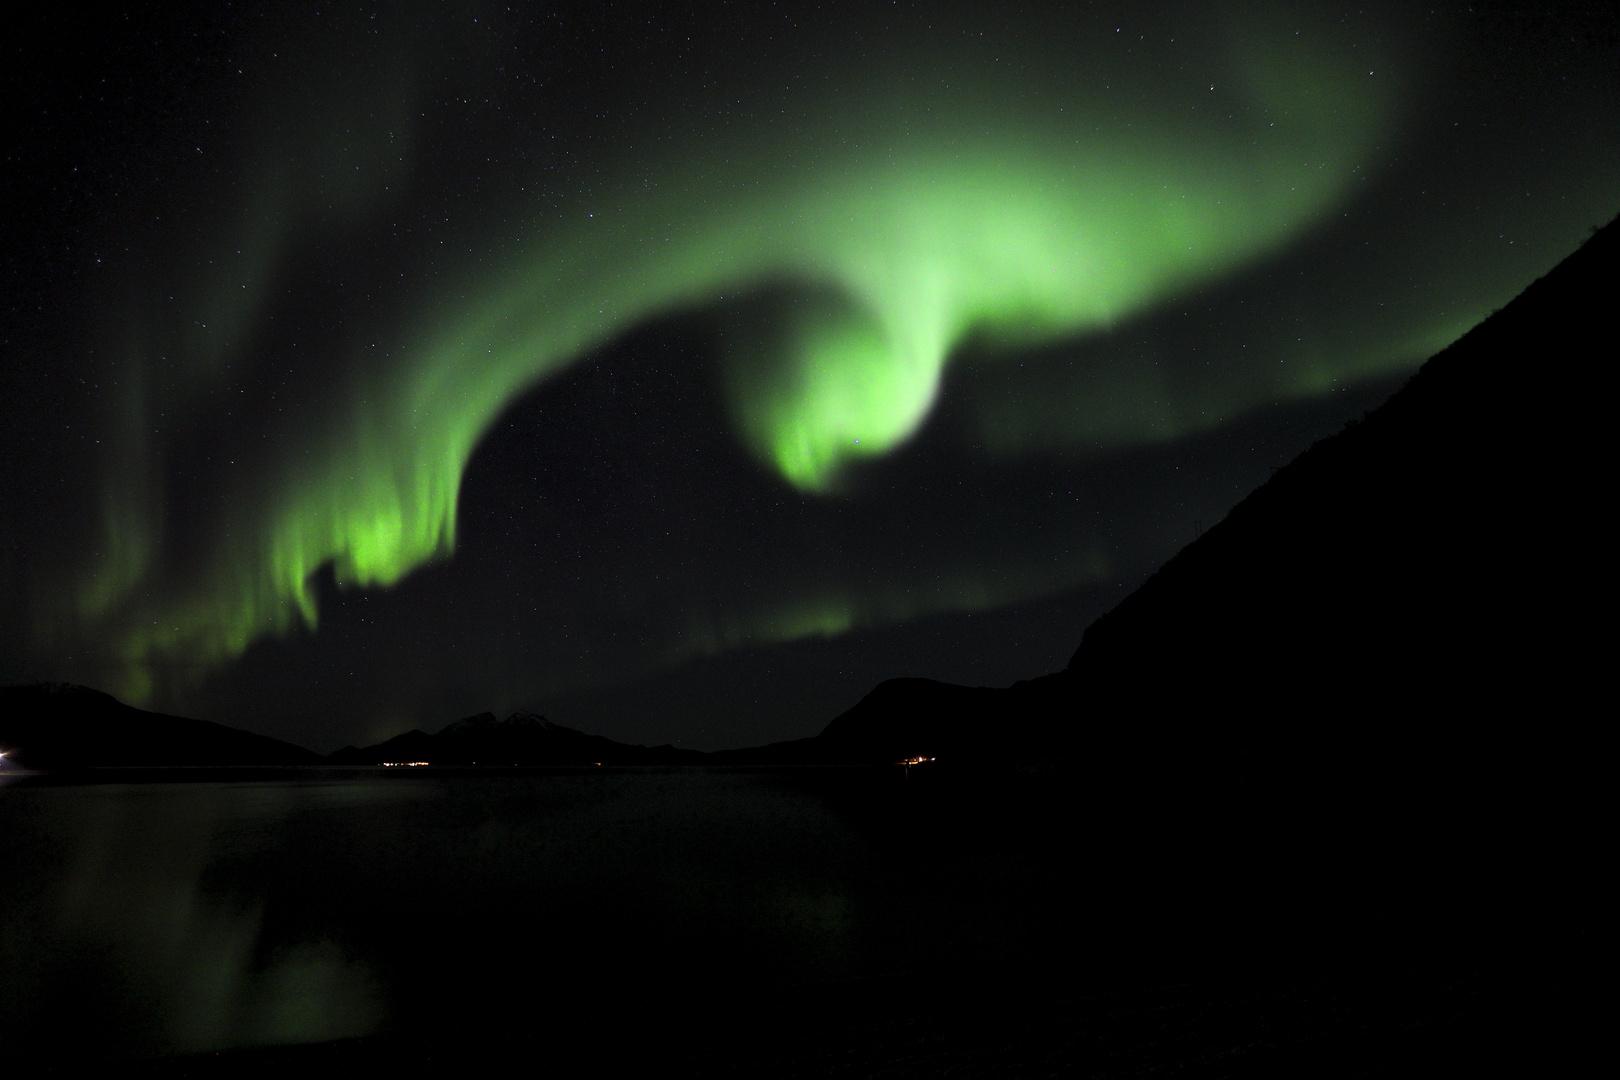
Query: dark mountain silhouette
[(1422, 572), (520, 739), (60, 726), (1427, 568), (1406, 583)]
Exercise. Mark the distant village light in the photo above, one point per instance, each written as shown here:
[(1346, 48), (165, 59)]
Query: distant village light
[(907, 763)]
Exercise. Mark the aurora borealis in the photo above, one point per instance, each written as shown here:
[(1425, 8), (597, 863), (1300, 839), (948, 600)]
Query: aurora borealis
[(682, 373)]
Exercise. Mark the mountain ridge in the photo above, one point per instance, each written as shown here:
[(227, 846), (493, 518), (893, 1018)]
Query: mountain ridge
[(1356, 602), (1360, 595), (522, 739)]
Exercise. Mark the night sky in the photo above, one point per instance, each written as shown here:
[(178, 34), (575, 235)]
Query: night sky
[(681, 371)]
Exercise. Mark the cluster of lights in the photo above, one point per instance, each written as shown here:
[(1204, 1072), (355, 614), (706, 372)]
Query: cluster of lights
[(404, 764)]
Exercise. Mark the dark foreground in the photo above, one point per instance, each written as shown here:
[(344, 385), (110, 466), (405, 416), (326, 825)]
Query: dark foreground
[(1381, 1020), (1230, 915)]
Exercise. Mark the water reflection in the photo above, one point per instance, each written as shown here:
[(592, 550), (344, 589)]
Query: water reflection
[(122, 928), (182, 917), (634, 908)]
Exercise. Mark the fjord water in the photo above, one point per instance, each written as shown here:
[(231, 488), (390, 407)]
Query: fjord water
[(563, 909), (155, 918)]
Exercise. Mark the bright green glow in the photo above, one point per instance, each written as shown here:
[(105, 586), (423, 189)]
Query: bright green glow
[(986, 211)]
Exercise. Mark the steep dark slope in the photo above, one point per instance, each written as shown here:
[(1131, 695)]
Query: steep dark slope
[(1426, 573)]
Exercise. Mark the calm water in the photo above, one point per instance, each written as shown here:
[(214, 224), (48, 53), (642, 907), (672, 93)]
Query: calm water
[(158, 918), (592, 908)]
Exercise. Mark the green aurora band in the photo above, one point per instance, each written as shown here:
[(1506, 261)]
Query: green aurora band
[(980, 210)]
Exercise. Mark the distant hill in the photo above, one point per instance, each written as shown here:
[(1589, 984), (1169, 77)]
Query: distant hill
[(520, 739), (1414, 580), (60, 726)]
